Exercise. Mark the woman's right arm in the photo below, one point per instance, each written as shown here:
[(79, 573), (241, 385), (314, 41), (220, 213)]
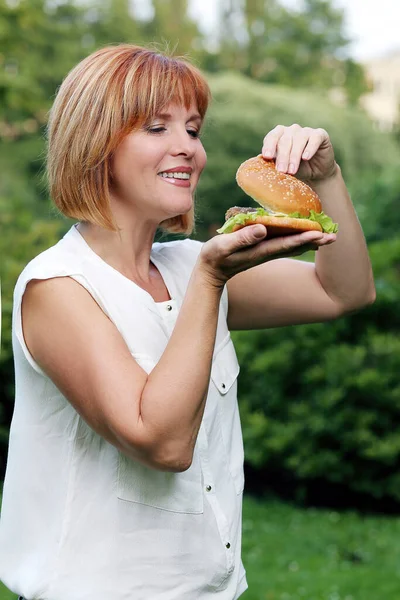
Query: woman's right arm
[(152, 418)]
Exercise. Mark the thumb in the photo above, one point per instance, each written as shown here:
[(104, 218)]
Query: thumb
[(249, 235)]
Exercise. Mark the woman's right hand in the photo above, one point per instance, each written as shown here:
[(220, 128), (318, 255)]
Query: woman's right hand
[(224, 256)]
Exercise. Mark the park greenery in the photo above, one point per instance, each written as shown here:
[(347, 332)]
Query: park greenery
[(319, 403)]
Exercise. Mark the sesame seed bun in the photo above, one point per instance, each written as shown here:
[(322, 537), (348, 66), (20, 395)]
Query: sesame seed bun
[(276, 191)]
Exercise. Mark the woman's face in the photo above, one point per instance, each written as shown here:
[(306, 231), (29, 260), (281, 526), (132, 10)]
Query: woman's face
[(156, 169)]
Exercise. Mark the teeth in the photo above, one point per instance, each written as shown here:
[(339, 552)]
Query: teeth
[(176, 175)]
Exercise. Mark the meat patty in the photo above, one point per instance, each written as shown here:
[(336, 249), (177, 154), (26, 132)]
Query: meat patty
[(235, 210)]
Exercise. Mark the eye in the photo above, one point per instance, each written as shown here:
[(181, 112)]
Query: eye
[(155, 129), (193, 133)]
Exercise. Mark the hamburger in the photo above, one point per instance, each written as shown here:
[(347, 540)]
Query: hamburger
[(287, 204)]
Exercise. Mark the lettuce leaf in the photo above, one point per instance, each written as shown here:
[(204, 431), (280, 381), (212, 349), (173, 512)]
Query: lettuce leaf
[(241, 219), (328, 226)]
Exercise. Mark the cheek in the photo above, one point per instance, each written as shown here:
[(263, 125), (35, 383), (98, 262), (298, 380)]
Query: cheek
[(132, 155), (202, 159), (126, 168)]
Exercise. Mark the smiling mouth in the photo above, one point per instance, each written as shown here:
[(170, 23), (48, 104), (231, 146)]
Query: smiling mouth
[(176, 175)]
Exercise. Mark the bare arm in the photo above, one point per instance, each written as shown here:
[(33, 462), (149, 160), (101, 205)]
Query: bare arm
[(344, 268), (152, 418), (287, 292)]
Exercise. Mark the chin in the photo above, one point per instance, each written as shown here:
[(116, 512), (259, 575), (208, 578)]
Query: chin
[(179, 208)]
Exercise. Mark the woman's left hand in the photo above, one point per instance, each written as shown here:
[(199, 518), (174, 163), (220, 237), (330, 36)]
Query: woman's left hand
[(301, 151)]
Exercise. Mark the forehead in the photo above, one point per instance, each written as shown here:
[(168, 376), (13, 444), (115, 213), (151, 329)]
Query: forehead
[(179, 110)]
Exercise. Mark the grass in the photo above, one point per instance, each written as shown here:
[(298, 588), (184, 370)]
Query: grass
[(306, 554), (5, 594)]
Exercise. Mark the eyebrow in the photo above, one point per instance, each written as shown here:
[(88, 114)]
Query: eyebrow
[(193, 117)]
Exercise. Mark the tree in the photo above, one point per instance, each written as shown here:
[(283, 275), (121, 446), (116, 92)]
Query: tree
[(299, 48), (40, 43), (172, 27), (111, 22)]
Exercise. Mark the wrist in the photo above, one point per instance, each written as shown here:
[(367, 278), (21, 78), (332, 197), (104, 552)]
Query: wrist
[(208, 277), (333, 177)]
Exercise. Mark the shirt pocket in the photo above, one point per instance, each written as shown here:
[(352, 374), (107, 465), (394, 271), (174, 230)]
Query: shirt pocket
[(175, 492), (224, 374)]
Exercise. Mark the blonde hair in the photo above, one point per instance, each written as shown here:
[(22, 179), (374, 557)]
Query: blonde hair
[(107, 95)]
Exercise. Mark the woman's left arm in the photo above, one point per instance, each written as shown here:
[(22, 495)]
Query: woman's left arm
[(284, 291)]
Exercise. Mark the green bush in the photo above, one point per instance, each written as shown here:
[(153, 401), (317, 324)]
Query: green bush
[(322, 401)]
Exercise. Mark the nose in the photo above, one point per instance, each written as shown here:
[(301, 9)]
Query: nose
[(182, 144)]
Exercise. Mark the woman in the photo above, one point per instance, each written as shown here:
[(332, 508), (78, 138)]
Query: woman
[(125, 472)]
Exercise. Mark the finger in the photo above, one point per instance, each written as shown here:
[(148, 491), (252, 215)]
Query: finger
[(276, 247), (303, 249), (315, 140), (328, 238), (300, 140), (300, 250), (285, 144), (270, 142), (325, 240)]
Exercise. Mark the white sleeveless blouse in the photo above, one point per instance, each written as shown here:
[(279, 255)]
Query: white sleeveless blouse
[(80, 520)]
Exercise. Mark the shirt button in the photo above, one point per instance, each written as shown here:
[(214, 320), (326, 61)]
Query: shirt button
[(169, 307), (208, 488), (223, 386), (227, 545)]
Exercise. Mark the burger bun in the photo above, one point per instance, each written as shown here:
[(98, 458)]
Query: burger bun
[(281, 226)]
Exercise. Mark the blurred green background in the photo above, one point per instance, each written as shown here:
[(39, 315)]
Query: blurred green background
[(319, 403)]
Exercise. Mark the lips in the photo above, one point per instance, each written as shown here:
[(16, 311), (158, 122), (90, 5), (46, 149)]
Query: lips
[(177, 169)]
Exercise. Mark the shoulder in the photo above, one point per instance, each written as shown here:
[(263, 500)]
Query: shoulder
[(57, 261), (48, 268)]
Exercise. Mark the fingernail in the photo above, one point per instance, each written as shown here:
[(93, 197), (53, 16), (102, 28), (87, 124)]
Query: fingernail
[(306, 155), (292, 168), (259, 232), (280, 167)]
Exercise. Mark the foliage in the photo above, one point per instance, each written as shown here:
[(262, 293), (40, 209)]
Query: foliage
[(322, 402), (300, 47), (40, 43), (377, 194)]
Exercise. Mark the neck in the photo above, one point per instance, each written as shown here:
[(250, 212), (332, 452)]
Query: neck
[(127, 250)]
